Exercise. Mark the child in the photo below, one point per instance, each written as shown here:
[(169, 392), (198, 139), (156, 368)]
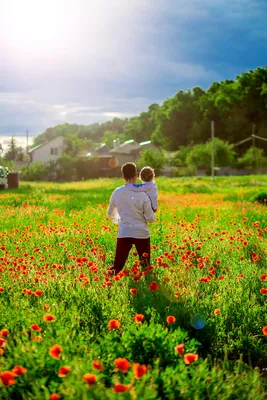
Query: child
[(149, 186)]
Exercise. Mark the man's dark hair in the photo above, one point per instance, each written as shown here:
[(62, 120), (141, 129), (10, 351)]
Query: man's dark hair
[(129, 170)]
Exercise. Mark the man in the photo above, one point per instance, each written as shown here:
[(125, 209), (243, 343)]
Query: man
[(131, 211)]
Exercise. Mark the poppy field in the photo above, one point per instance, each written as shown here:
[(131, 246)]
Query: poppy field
[(191, 325)]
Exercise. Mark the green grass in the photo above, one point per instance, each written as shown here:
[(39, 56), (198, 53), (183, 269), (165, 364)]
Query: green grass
[(56, 238)]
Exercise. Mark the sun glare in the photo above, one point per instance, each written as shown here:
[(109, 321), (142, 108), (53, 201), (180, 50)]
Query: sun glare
[(34, 26)]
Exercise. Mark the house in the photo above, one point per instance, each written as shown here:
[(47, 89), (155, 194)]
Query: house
[(130, 151), (123, 152), (48, 151)]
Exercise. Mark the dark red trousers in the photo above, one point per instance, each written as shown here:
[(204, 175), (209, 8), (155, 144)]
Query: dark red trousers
[(123, 248)]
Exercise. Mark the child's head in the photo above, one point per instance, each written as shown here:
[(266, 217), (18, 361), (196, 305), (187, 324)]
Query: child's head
[(147, 174)]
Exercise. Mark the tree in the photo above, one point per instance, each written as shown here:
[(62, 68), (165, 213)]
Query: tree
[(65, 167), (73, 144), (142, 127), (153, 158), (110, 136), (11, 154), (237, 106)]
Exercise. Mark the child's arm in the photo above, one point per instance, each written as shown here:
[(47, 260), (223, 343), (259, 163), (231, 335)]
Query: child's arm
[(142, 187)]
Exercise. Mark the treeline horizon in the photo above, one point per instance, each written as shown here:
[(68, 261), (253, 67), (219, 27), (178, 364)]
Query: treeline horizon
[(238, 108)]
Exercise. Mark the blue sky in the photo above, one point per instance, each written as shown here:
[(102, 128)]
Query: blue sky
[(88, 61)]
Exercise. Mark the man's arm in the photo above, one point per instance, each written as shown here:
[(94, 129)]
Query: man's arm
[(112, 210), (149, 215)]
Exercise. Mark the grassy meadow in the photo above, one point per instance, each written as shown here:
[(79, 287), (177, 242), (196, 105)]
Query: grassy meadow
[(192, 325)]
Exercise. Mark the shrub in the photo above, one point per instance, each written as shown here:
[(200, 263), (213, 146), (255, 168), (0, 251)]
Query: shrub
[(153, 158), (35, 171), (248, 161), (200, 155), (261, 198)]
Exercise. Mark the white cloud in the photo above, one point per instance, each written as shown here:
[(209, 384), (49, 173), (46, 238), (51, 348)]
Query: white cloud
[(85, 60)]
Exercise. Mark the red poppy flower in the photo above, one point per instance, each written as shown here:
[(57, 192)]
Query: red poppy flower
[(145, 255), (37, 338), (2, 290), (4, 333), (114, 324), (89, 378), (217, 311), (36, 327), (38, 293), (120, 388), (263, 291), (97, 365), (264, 330), (2, 342), (54, 396), (55, 351), (189, 358), (263, 277), (63, 371), (7, 378), (170, 319), (179, 348), (122, 364), (139, 370), (49, 318), (18, 370), (153, 286), (138, 318), (133, 291)]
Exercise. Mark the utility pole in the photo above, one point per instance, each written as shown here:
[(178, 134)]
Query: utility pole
[(27, 144), (253, 145), (212, 151)]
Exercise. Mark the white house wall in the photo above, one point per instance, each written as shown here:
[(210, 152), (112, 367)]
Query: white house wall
[(43, 153)]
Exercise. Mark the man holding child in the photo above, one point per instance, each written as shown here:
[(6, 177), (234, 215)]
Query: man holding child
[(132, 206)]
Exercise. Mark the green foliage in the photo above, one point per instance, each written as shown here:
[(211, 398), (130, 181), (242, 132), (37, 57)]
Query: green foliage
[(72, 145), (179, 159), (11, 165), (14, 152), (141, 128), (253, 158), (88, 134), (153, 158), (200, 155), (261, 198), (109, 136), (238, 108), (35, 171)]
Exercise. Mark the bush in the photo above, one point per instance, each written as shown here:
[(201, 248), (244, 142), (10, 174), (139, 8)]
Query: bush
[(65, 167), (200, 155), (179, 159), (35, 171), (247, 160), (261, 198), (153, 158)]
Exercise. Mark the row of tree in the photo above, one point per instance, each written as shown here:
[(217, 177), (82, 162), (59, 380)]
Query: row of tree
[(238, 108)]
